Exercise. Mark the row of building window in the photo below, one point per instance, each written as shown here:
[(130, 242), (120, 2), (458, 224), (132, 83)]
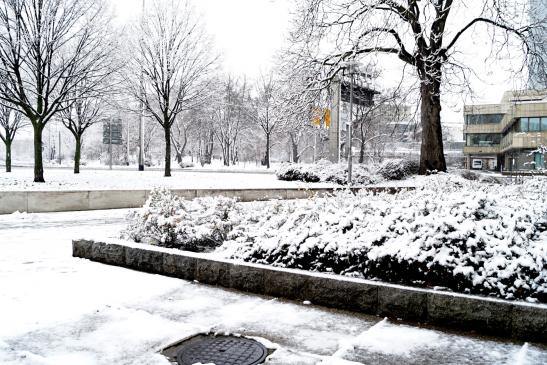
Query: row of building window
[(483, 139), (535, 124), (483, 118)]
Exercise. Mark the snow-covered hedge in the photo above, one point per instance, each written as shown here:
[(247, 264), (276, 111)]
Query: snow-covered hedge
[(169, 221), (325, 171), (454, 233), (398, 169), (468, 237)]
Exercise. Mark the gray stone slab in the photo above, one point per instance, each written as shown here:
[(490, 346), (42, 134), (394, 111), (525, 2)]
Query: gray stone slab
[(467, 313), (213, 272), (247, 278), (179, 266), (116, 199), (82, 248), (343, 294), (187, 194), (278, 283), (144, 260), (11, 202), (57, 201), (397, 302), (249, 195), (530, 322), (111, 254)]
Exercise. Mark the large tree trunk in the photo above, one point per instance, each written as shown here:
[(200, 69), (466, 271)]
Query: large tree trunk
[(432, 153), (167, 131), (77, 154), (8, 155), (38, 162), (267, 157)]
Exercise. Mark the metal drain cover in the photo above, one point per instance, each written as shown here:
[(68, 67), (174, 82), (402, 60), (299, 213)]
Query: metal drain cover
[(222, 350)]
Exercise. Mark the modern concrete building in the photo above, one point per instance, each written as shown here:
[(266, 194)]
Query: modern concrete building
[(507, 136)]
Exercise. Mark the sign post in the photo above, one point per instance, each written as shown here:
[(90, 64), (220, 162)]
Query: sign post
[(112, 135)]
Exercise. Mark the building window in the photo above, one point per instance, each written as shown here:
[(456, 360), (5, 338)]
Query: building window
[(483, 140), (533, 124), (483, 118), (544, 124)]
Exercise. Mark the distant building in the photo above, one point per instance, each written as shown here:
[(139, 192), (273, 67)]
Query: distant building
[(537, 78), (507, 136)]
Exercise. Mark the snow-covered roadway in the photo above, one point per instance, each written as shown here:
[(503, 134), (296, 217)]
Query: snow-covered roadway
[(57, 310)]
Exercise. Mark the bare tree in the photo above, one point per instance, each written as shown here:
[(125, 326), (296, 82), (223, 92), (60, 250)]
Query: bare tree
[(266, 113), (174, 54), (77, 117), (230, 117), (10, 122), (421, 34), (47, 48)]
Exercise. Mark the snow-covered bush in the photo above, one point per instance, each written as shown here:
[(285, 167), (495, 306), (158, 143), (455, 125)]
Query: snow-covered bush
[(465, 236), (169, 221), (398, 169), (325, 171)]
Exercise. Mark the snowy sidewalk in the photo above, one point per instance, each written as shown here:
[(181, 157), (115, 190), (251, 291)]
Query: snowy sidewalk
[(21, 179), (55, 309)]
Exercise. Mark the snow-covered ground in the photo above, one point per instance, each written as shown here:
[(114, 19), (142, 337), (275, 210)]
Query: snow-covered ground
[(59, 310), (65, 179)]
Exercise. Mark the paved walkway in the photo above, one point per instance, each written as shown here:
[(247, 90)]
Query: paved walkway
[(56, 310)]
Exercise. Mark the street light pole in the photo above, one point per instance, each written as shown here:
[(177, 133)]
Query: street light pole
[(141, 121), (350, 126)]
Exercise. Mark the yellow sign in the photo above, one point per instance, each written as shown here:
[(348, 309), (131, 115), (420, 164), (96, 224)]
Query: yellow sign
[(319, 115)]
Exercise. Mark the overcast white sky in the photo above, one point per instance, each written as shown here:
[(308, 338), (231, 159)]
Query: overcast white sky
[(248, 33)]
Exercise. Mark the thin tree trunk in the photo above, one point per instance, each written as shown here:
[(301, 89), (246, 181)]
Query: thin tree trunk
[(38, 162), (167, 131), (294, 149), (77, 153), (432, 153), (8, 155), (267, 151)]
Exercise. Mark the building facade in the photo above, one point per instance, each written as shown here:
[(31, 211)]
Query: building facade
[(507, 136)]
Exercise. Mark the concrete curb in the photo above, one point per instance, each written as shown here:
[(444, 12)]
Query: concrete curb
[(523, 321), (63, 201)]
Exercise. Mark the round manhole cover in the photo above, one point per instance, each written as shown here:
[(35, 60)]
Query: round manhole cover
[(223, 350)]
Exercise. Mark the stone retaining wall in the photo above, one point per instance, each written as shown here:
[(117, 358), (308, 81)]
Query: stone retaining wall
[(63, 201), (517, 320)]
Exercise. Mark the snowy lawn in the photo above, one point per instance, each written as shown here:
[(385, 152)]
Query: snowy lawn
[(451, 233), (65, 179), (59, 310)]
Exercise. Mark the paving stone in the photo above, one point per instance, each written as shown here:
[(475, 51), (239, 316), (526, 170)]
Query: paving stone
[(278, 283), (82, 248), (145, 260), (111, 254), (343, 294), (247, 278), (213, 272), (179, 266), (402, 303), (530, 322), (489, 317)]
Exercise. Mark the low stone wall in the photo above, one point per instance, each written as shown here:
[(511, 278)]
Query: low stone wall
[(63, 201), (517, 320)]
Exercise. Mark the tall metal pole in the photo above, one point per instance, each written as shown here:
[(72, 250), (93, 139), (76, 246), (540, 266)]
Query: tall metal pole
[(110, 141), (350, 125), (59, 148), (141, 122)]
